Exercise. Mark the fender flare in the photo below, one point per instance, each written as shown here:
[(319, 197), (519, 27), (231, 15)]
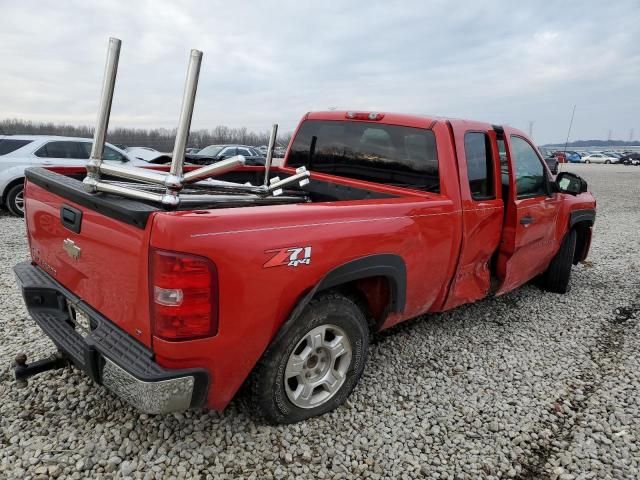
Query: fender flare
[(587, 215), (387, 265)]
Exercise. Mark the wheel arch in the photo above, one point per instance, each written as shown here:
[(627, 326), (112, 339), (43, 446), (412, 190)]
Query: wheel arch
[(581, 221), (9, 186), (355, 279)]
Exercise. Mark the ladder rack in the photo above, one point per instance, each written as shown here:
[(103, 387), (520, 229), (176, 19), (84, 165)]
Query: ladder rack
[(170, 189)]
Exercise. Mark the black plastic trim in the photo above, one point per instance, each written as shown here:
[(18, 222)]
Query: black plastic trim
[(126, 210), (47, 301), (587, 215), (386, 265), (71, 218)]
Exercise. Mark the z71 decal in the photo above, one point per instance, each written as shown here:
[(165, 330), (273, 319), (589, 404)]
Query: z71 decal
[(289, 256)]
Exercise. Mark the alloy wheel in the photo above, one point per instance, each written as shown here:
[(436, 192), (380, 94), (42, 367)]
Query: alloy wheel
[(317, 366)]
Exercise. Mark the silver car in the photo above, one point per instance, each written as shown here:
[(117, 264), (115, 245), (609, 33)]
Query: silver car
[(18, 152)]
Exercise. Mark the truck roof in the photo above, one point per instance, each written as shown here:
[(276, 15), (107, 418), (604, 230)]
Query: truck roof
[(408, 120)]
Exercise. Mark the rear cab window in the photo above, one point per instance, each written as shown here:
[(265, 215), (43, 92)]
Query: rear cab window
[(387, 154), (8, 145)]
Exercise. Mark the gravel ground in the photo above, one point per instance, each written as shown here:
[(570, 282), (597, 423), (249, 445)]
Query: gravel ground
[(530, 385)]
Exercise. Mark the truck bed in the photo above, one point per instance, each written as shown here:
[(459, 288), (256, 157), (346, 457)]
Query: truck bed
[(136, 212)]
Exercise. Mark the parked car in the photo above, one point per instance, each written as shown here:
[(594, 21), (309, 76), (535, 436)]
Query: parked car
[(149, 155), (215, 153), (18, 152), (560, 156), (175, 309), (599, 158), (142, 148), (263, 149), (552, 163), (192, 150), (573, 157), (630, 158)]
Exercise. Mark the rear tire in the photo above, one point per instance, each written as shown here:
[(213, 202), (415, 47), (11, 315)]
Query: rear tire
[(15, 200), (556, 278), (293, 380)]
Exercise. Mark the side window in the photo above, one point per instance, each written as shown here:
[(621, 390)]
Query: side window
[(504, 164), (228, 152), (530, 176), (477, 149), (62, 149), (245, 152), (9, 145)]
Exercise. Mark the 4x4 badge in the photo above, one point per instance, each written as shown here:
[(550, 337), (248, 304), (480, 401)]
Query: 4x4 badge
[(71, 248), (289, 256)]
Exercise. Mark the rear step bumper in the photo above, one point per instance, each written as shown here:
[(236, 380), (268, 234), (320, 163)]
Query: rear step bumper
[(106, 353)]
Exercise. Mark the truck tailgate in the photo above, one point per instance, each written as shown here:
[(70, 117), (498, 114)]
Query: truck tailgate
[(104, 262)]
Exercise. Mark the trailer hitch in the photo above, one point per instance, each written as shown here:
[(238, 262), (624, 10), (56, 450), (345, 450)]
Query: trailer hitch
[(22, 370)]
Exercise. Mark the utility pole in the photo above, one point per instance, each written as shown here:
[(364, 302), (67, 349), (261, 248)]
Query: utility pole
[(569, 131), (631, 135), (531, 122), (610, 133)]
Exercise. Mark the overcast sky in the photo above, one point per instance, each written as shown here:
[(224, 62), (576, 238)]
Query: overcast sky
[(503, 62)]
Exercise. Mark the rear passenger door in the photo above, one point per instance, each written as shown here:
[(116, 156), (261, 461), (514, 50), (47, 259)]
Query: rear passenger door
[(529, 236), (482, 212)]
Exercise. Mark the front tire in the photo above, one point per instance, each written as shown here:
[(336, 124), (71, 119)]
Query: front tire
[(557, 276), (15, 200), (314, 362)]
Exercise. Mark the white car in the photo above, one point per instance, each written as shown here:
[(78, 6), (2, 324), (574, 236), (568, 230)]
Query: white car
[(18, 152), (599, 158)]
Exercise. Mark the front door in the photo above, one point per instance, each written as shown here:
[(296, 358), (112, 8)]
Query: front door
[(529, 236)]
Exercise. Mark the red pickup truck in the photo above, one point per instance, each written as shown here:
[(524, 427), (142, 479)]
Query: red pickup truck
[(176, 308)]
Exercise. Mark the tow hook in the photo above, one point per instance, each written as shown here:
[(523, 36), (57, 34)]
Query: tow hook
[(22, 370)]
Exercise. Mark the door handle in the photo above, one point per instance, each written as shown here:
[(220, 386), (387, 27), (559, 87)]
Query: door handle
[(528, 220)]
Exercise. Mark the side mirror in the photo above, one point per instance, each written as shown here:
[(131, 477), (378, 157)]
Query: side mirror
[(570, 183)]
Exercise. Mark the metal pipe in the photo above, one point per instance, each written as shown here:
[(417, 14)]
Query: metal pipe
[(215, 168), (230, 186), (269, 159), (229, 200), (128, 192), (104, 108), (175, 177), (134, 173)]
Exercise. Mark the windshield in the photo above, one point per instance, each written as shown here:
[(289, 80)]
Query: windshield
[(211, 150)]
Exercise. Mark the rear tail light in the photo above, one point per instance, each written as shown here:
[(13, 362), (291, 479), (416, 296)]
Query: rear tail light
[(184, 296)]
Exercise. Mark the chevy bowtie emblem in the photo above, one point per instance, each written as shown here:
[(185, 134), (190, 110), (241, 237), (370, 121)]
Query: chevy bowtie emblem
[(71, 248)]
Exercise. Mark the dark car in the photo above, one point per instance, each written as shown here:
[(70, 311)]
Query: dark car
[(630, 158), (215, 153), (552, 163)]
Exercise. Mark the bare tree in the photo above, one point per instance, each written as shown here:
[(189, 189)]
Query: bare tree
[(161, 139)]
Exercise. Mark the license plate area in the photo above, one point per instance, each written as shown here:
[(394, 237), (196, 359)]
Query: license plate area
[(80, 320)]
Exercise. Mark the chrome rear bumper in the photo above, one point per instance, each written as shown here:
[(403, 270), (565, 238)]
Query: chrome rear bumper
[(106, 353)]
